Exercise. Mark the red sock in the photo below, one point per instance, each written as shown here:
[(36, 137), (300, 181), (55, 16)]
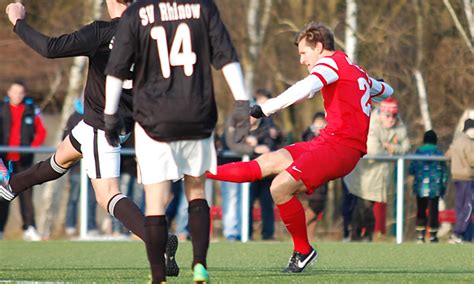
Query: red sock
[(238, 172), (292, 214)]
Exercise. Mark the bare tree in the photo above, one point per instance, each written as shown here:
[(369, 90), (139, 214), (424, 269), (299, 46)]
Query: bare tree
[(74, 90), (350, 31), (257, 23), (457, 23), (420, 82)]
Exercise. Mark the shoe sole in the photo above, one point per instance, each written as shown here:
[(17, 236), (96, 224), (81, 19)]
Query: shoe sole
[(172, 268)]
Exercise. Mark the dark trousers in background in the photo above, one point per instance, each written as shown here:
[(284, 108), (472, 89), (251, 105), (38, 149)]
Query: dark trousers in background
[(261, 190), (26, 204), (431, 220), (348, 204), (463, 204), (363, 218)]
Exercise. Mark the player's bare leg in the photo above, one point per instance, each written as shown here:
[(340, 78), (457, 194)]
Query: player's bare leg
[(199, 225), (156, 229), (284, 189)]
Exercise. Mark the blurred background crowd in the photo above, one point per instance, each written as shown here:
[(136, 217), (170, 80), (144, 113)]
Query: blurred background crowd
[(423, 48)]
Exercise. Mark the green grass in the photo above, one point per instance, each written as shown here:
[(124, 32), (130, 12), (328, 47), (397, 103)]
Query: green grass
[(255, 262)]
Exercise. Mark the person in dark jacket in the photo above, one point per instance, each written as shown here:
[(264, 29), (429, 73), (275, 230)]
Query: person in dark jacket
[(263, 137), (429, 185), (21, 125)]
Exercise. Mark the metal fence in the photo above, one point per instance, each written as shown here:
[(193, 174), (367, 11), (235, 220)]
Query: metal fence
[(400, 188)]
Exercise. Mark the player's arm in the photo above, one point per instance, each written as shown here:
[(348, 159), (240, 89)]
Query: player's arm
[(117, 71), (379, 90), (224, 56), (323, 74), (81, 42), (240, 116)]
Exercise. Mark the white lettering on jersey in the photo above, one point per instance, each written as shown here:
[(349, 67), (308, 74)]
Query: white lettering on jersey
[(128, 84), (147, 15), (175, 12), (111, 43)]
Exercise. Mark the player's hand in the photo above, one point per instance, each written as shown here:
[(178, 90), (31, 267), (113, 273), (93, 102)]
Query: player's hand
[(257, 112), (114, 126), (15, 12), (241, 120)]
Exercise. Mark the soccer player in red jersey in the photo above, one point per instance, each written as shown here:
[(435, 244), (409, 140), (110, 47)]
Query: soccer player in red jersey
[(302, 167)]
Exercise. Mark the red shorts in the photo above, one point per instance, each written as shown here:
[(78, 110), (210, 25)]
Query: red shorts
[(318, 161)]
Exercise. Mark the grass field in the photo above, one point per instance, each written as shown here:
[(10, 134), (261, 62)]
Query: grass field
[(254, 262)]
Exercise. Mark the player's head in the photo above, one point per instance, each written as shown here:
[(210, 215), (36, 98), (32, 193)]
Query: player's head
[(262, 95), (469, 127), (319, 122), (117, 7), (389, 113), (16, 92), (313, 41)]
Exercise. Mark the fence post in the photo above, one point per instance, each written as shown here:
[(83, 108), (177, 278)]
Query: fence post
[(400, 193), (84, 201), (244, 230)]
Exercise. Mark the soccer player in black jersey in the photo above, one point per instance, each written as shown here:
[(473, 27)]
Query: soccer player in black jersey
[(172, 45), (87, 140)]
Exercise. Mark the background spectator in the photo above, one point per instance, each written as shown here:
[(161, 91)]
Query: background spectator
[(74, 179), (319, 122), (430, 182), (21, 125), (462, 170), (371, 180), (263, 137)]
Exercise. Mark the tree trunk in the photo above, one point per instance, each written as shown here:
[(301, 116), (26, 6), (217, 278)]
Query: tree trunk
[(420, 83), (52, 192), (468, 7), (457, 23), (351, 30), (256, 32)]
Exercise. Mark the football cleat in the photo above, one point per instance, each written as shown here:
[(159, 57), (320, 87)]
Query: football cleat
[(298, 261), (5, 190), (172, 268), (200, 274)]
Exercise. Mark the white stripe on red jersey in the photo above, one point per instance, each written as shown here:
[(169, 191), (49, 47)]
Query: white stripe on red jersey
[(327, 74), (379, 91)]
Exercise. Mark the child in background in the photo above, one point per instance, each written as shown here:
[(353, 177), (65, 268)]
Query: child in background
[(430, 183)]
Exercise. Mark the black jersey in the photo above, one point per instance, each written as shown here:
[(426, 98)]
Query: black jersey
[(93, 41), (172, 45)]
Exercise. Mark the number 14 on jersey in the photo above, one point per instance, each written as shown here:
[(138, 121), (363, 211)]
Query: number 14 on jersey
[(181, 53)]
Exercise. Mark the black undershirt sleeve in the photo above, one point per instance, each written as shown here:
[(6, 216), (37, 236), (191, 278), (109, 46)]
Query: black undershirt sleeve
[(79, 43)]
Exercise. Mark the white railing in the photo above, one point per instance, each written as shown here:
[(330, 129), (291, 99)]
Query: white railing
[(399, 159)]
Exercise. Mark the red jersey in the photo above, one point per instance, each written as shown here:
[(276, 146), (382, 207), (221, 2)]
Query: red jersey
[(347, 102)]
